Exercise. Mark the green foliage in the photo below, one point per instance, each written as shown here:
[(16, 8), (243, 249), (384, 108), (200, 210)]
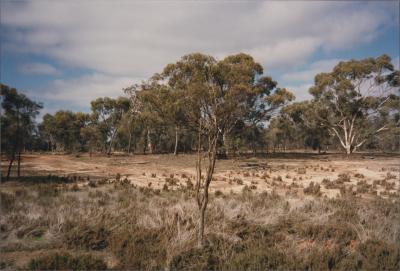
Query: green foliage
[(62, 130), (107, 114), (17, 122), (347, 99)]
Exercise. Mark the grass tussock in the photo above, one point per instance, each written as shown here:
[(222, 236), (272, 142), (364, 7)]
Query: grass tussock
[(66, 261)]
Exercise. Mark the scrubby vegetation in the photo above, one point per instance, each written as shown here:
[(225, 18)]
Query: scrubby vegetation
[(66, 261), (121, 226)]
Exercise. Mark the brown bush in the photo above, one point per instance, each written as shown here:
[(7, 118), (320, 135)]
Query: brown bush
[(390, 176), (338, 233), (47, 190), (342, 178), (21, 193), (218, 193), (238, 181), (312, 189), (378, 255), (301, 171), (359, 175), (66, 261), (80, 235), (140, 248), (8, 202), (92, 184)]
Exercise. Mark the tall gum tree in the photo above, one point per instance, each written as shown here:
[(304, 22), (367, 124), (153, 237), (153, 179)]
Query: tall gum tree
[(108, 113), (217, 94), (17, 124), (160, 101), (356, 91)]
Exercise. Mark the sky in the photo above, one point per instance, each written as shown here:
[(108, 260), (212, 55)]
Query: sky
[(67, 53)]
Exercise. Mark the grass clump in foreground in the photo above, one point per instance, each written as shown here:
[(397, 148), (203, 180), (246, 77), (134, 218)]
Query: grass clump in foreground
[(66, 261), (148, 229)]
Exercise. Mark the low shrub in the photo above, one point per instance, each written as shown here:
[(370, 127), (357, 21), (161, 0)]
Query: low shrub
[(378, 255), (8, 202), (238, 181), (47, 190), (363, 187), (74, 188), (140, 248), (189, 184), (278, 178), (359, 176), (342, 178), (171, 181), (66, 261), (265, 176), (165, 187), (339, 233), (195, 259), (84, 236), (312, 189), (21, 193), (301, 171), (218, 193), (390, 176), (257, 259)]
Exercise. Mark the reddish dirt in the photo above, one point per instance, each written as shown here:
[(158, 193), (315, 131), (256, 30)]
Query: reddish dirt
[(144, 169)]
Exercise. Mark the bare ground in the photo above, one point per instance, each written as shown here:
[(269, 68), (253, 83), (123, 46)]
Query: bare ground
[(117, 207), (276, 172)]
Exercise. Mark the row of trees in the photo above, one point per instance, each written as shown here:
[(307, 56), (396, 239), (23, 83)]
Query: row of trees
[(354, 106), (214, 107)]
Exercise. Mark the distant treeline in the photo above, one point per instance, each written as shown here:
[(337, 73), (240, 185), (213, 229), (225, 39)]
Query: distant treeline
[(354, 106)]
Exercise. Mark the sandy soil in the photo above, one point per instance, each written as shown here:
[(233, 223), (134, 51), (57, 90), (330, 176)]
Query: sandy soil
[(260, 173)]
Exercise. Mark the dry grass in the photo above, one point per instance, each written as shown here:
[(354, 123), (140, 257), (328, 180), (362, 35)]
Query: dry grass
[(143, 228), (280, 216)]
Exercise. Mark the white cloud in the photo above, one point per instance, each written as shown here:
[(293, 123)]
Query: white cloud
[(396, 62), (300, 81), (301, 91), (309, 73), (285, 53), (80, 91), (39, 69), (134, 38)]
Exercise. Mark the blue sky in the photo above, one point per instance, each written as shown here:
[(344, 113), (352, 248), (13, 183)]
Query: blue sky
[(67, 53)]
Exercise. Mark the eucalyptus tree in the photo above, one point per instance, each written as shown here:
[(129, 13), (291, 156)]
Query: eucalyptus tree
[(17, 123), (162, 105), (107, 114), (62, 130), (142, 110), (262, 99), (218, 94), (305, 119), (48, 130), (355, 91)]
